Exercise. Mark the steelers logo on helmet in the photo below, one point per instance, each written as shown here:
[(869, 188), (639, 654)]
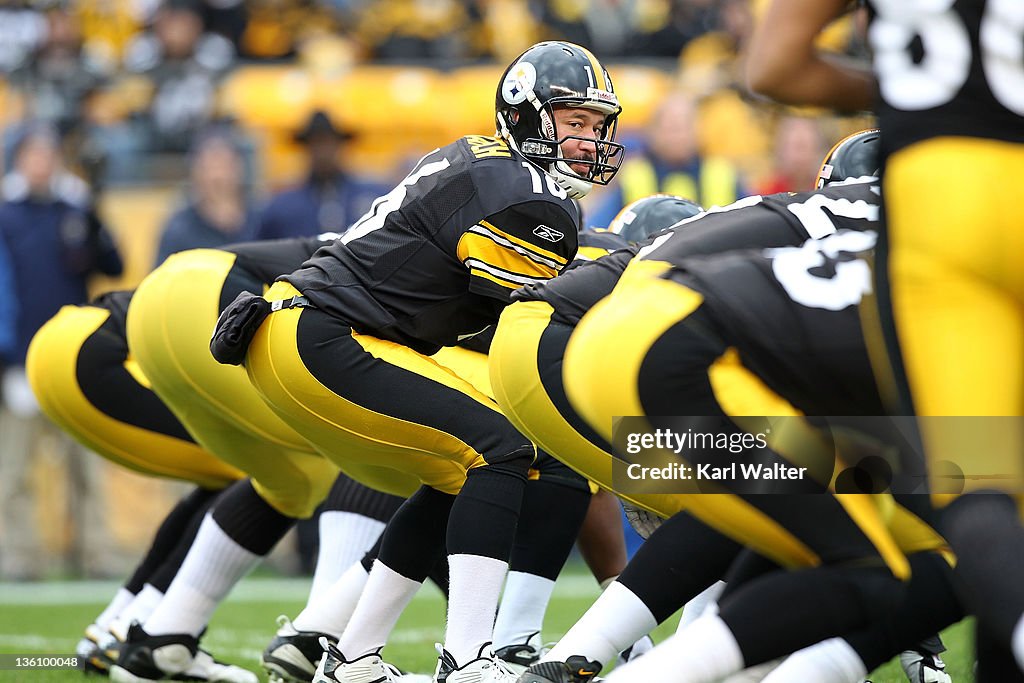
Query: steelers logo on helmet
[(518, 82), (556, 75)]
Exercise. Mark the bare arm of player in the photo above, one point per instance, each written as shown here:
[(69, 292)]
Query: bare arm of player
[(783, 63)]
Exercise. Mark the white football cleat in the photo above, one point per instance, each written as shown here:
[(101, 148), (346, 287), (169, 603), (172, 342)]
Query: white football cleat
[(923, 667), (334, 668), (292, 656), (206, 668), (486, 668), (519, 656), (98, 650)]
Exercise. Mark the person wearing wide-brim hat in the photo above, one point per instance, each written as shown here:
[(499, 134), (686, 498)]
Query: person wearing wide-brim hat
[(330, 199)]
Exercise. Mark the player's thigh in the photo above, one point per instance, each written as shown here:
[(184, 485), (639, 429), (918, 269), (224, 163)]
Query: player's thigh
[(169, 325), (956, 281), (526, 373), (365, 400), (796, 523), (80, 372), (170, 321), (293, 482), (616, 335)]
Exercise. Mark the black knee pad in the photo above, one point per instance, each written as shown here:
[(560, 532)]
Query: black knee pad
[(516, 462), (555, 471), (971, 516), (930, 605)]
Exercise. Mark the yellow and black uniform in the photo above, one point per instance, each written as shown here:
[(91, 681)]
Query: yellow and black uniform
[(753, 333), (88, 382), (595, 244), (950, 275), (526, 358), (170, 320), (434, 261), (950, 281)]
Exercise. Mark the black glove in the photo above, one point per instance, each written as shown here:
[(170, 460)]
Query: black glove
[(236, 327)]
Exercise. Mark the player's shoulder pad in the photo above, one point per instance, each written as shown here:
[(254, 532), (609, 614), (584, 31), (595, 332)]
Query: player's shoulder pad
[(505, 180), (866, 188), (484, 147)]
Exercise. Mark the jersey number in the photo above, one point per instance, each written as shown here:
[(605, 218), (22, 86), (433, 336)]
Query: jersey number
[(939, 75), (852, 280), (383, 206), (553, 187), (811, 213)]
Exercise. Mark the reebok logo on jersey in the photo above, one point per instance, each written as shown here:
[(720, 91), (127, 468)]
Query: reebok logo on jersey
[(546, 233)]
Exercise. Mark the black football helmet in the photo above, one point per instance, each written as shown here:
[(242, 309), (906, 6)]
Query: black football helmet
[(548, 75), (640, 219), (854, 156)]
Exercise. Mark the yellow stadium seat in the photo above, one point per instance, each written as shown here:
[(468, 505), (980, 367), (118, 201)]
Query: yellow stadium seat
[(268, 96)]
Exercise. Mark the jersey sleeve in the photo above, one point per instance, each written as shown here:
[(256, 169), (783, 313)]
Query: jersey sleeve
[(518, 246)]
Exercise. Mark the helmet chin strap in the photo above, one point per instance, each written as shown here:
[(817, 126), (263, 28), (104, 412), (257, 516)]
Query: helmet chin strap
[(574, 186)]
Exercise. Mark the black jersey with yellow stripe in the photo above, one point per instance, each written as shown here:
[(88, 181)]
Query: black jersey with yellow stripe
[(948, 69), (595, 243), (792, 315), (778, 220), (437, 258)]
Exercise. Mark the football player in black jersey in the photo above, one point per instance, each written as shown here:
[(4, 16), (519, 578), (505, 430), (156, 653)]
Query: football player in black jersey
[(170, 316), (89, 382), (344, 356), (527, 374), (86, 381), (789, 315), (948, 77), (530, 341)]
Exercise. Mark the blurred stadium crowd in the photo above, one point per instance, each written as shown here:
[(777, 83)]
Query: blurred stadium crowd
[(132, 129)]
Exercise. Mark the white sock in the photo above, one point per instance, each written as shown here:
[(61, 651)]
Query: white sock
[(830, 661), (613, 623), (473, 590), (1017, 642), (331, 613), (523, 603), (344, 539), (753, 674), (703, 653), (214, 564), (122, 599), (139, 610), (385, 596), (695, 607)]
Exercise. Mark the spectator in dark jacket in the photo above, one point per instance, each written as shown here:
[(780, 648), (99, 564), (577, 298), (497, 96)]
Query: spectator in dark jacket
[(8, 310), (330, 200), (55, 242), (54, 239), (218, 211)]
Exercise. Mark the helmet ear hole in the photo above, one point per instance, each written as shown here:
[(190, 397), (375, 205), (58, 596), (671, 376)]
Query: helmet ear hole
[(513, 116)]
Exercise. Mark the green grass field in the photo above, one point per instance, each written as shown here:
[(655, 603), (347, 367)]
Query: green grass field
[(48, 618)]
